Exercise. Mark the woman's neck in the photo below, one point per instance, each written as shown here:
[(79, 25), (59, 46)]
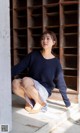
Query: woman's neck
[(47, 54)]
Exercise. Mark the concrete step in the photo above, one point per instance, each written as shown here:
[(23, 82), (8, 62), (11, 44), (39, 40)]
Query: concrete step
[(42, 122)]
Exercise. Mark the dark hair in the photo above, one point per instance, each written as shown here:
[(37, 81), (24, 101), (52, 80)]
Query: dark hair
[(53, 36)]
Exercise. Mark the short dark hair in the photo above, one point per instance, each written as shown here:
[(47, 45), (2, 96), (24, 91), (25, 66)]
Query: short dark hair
[(53, 36)]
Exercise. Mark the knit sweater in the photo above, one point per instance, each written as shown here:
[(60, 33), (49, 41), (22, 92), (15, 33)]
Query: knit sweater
[(47, 72)]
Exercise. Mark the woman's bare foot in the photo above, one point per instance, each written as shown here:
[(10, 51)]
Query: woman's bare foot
[(28, 107), (37, 107)]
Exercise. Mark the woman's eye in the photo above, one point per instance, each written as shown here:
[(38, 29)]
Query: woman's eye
[(48, 38), (42, 38)]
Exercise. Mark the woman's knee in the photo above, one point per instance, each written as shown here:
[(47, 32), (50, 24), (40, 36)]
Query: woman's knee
[(27, 82), (15, 84)]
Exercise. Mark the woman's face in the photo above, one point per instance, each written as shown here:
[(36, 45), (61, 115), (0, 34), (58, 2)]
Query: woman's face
[(47, 42)]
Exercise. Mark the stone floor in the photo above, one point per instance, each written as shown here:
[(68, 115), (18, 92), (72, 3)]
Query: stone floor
[(72, 125), (42, 122)]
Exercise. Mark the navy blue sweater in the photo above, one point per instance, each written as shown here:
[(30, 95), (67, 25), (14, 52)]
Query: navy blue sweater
[(47, 71)]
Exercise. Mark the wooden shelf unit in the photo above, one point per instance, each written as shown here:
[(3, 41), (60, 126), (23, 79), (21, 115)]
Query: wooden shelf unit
[(31, 18)]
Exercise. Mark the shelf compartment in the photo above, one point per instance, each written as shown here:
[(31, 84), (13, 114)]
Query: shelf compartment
[(34, 17), (20, 32), (36, 21), (69, 18), (20, 44), (21, 13), (35, 34), (21, 51), (35, 11), (52, 21), (70, 71), (20, 38), (70, 29), (72, 51), (36, 42), (20, 22), (71, 82), (35, 30), (70, 7), (70, 40), (55, 29), (52, 10), (20, 3), (34, 2), (70, 61)]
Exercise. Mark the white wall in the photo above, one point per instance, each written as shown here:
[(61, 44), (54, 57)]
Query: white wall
[(5, 76)]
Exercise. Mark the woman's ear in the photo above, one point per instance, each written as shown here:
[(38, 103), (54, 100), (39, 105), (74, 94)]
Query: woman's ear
[(54, 42)]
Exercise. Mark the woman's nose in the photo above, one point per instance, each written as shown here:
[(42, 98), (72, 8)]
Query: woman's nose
[(45, 40)]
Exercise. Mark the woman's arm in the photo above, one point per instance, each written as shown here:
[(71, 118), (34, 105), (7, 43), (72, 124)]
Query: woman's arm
[(61, 85), (17, 69)]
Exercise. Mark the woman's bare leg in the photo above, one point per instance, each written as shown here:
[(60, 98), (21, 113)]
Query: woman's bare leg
[(32, 93), (17, 88), (30, 90), (26, 86)]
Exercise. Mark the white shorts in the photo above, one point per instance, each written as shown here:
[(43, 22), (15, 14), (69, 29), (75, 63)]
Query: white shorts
[(41, 90)]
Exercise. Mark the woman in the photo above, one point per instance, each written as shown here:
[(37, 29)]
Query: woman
[(45, 73)]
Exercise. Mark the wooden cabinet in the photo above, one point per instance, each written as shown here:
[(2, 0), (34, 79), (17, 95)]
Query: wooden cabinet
[(18, 30), (69, 29), (31, 17)]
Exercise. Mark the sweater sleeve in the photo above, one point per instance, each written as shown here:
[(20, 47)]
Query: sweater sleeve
[(61, 85), (17, 69)]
